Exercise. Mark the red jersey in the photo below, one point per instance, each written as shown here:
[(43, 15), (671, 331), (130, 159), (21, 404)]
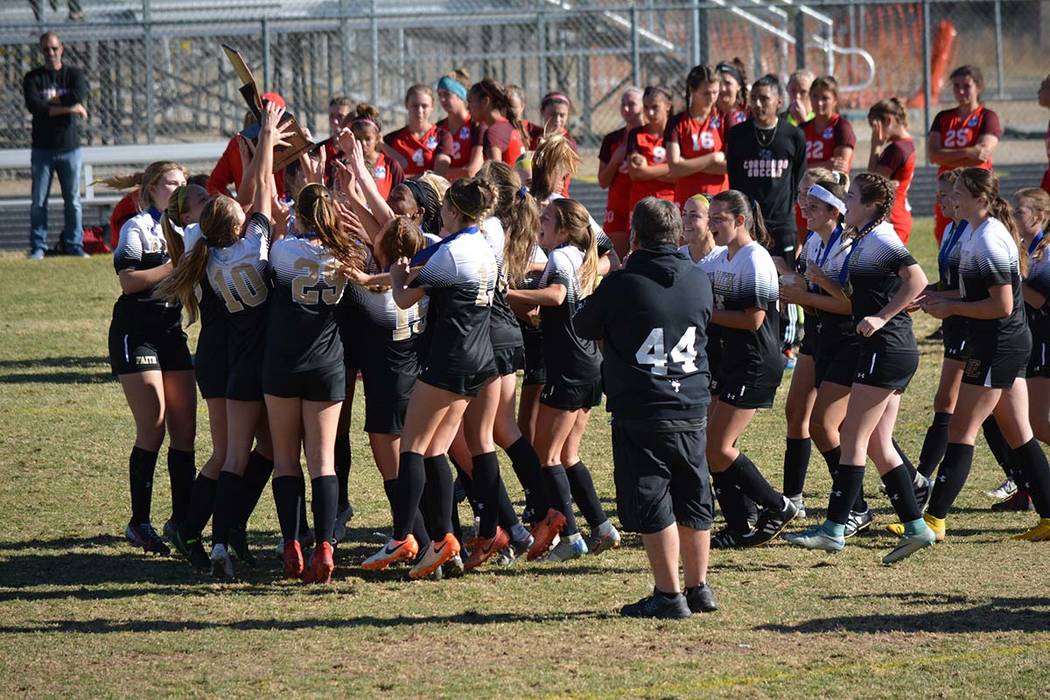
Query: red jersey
[(651, 146), (737, 116), (458, 145), (228, 172), (899, 158), (417, 152), (126, 208), (963, 132), (821, 146), (388, 174), (695, 139), (1046, 175), (506, 138), (618, 201)]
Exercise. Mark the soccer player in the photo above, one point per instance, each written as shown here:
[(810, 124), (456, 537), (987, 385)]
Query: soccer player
[(732, 94), (745, 311), (882, 280), (612, 171), (964, 136), (414, 145), (367, 129), (695, 139), (893, 156), (149, 355), (1033, 216), (647, 163), (999, 348), (651, 316), (555, 108), (830, 140), (454, 153), (497, 130)]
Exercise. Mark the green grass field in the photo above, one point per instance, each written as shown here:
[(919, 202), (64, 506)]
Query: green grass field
[(83, 614)]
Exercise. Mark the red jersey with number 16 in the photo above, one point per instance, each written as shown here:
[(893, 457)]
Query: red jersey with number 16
[(963, 132), (695, 139)]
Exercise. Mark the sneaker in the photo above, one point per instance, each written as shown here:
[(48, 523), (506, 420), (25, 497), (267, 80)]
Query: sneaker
[(439, 552), (659, 606), (567, 549), (789, 358), (1039, 533), (482, 549), (1021, 500), (752, 510), (169, 530), (322, 564), (79, 254), (937, 525), (817, 538), (179, 543), (453, 568), (37, 254), (1003, 491), (800, 506), (727, 538), (392, 551), (598, 543), (146, 537), (221, 563), (238, 540), (292, 553), (521, 548), (701, 599), (858, 522), (923, 489), (544, 532), (770, 524), (910, 544), (199, 559), (341, 519)]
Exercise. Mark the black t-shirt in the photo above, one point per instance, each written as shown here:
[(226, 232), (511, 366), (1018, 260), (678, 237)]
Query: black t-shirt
[(569, 359), (653, 316), (989, 258), (768, 174), (1039, 279), (871, 281), (142, 246), (504, 328), (62, 132)]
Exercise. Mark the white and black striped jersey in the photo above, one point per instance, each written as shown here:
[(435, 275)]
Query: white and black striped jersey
[(707, 262), (948, 255), (459, 275), (1039, 279), (302, 332), (829, 258), (871, 280), (748, 280), (239, 275), (989, 258), (504, 326), (569, 359), (142, 247)]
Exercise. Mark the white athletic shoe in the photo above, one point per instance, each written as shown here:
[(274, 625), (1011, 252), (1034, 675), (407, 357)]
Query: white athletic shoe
[(1003, 491), (910, 544), (341, 519), (816, 538), (567, 549), (221, 563)]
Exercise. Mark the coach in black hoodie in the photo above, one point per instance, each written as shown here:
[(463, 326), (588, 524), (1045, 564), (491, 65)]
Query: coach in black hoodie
[(652, 316)]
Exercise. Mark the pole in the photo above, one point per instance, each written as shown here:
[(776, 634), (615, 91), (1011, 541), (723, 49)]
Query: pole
[(999, 72), (694, 35), (636, 58), (800, 40), (267, 65), (926, 51), (541, 34), (344, 47), (147, 39), (373, 26)]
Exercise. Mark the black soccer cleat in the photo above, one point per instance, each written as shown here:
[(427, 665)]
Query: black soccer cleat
[(238, 540), (659, 606), (143, 535), (770, 524), (858, 522), (701, 599), (727, 538)]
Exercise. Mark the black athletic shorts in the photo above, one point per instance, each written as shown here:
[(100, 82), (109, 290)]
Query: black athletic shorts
[(244, 379), (783, 243), (745, 395), (572, 397), (1039, 360), (836, 359), (508, 360), (317, 384), (131, 352), (994, 370), (532, 358), (386, 398), (462, 384), (210, 362), (661, 475), (953, 337), (348, 319), (808, 346), (886, 369)]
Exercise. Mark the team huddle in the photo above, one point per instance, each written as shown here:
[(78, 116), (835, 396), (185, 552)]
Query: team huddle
[(436, 262)]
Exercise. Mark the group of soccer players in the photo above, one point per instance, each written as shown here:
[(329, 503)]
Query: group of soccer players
[(439, 259)]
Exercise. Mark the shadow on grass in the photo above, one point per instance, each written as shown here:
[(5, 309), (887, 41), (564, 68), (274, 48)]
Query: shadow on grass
[(58, 378), (71, 362), (80, 370)]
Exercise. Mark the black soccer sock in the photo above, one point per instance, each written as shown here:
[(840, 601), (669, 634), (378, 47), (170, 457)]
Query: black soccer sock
[(951, 477), (408, 491), (846, 484), (731, 501), (831, 458), (904, 458), (419, 531), (528, 470), (256, 475), (438, 494), (141, 466), (304, 524), (1031, 462), (796, 463), (181, 471), (324, 501), (507, 517), (935, 444), (466, 482), (202, 503), (901, 491), (486, 488), (287, 500), (581, 485), (997, 443), (229, 497), (560, 494), (754, 485), (343, 457)]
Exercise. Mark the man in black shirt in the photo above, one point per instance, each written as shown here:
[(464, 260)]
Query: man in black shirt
[(652, 316), (54, 95)]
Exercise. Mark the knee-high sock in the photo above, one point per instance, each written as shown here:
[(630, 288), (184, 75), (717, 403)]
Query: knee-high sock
[(411, 480), (229, 497), (997, 444), (419, 530), (1032, 464), (181, 471), (560, 494), (438, 494), (202, 503), (753, 484), (731, 501), (287, 497), (796, 464), (581, 485), (256, 474), (141, 466), (528, 470), (846, 484), (901, 490), (486, 488), (324, 492), (935, 444), (951, 477), (343, 459)]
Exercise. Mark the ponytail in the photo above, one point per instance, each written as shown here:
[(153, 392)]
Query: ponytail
[(143, 180), (878, 190), (1039, 200), (181, 285), (518, 212), (758, 229), (316, 212), (572, 218), (739, 204), (1001, 209)]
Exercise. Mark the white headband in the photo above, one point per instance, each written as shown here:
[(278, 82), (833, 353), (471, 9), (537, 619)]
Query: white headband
[(828, 198)]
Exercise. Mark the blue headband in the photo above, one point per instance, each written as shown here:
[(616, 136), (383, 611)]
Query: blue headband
[(454, 86)]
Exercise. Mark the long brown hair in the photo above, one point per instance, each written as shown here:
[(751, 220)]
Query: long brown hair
[(984, 183), (172, 217), (552, 161), (474, 198), (572, 219), (517, 211), (878, 190), (1038, 199), (890, 107), (143, 180), (739, 204), (315, 211)]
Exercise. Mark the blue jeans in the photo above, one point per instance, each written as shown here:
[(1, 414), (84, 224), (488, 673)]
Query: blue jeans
[(45, 164)]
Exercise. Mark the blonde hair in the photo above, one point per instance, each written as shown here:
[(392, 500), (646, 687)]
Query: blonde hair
[(701, 200), (437, 182), (553, 161), (572, 219), (143, 180), (173, 216), (315, 211), (1039, 200), (518, 212)]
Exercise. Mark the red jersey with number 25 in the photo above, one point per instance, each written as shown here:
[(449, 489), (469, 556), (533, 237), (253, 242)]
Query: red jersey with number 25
[(963, 132), (695, 139)]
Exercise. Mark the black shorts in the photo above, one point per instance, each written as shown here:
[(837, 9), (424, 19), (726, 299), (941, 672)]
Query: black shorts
[(349, 321), (783, 243), (953, 337), (462, 384), (210, 362), (1039, 360), (744, 394), (532, 358), (131, 352), (808, 346), (885, 369), (244, 380), (508, 360), (836, 360), (661, 475), (572, 397), (317, 384), (994, 370), (386, 399)]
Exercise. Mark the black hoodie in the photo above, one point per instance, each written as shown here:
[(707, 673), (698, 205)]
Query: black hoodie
[(653, 317)]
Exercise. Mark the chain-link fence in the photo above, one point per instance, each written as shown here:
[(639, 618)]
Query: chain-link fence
[(157, 73)]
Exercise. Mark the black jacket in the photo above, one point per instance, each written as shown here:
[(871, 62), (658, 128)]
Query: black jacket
[(653, 317), (59, 133)]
